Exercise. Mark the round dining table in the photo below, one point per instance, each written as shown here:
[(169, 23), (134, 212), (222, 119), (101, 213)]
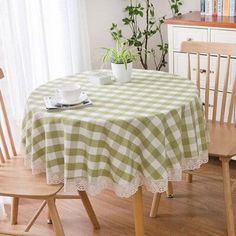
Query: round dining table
[(143, 133)]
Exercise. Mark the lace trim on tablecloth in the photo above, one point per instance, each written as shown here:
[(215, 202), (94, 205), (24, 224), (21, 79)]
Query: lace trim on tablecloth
[(94, 186), (37, 168)]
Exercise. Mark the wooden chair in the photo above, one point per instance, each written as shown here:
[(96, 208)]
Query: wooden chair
[(13, 174), (219, 111), (17, 182)]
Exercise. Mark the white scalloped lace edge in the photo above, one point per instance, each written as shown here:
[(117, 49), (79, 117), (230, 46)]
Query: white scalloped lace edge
[(94, 186)]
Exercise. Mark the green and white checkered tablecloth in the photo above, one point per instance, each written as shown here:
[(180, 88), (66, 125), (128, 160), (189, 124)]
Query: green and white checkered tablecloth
[(144, 132)]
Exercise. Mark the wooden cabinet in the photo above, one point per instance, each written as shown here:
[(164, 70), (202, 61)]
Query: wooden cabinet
[(194, 27)]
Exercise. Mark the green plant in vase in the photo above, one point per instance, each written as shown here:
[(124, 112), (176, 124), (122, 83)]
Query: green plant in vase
[(121, 58)]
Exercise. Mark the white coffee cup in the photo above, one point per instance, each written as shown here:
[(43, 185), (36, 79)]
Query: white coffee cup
[(69, 93)]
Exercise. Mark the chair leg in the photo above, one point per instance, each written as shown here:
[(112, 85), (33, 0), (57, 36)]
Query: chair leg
[(228, 196), (88, 207), (14, 210), (49, 221), (138, 212), (155, 204), (170, 191), (58, 229), (189, 178), (36, 215)]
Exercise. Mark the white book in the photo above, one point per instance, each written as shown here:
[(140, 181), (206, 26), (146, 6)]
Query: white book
[(220, 8), (232, 8), (209, 7)]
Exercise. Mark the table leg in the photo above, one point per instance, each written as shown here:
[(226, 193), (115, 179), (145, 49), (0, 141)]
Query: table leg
[(170, 191), (138, 212), (155, 204)]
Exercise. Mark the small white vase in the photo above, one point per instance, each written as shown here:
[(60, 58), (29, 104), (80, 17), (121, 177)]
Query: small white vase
[(122, 74)]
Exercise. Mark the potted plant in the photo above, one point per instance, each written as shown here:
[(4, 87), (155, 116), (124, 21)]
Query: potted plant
[(121, 58)]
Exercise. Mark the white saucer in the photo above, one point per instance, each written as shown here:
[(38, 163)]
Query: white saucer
[(83, 96)]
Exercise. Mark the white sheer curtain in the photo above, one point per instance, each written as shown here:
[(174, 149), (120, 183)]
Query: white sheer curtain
[(39, 40)]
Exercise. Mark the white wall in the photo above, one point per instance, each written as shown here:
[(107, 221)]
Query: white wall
[(101, 13)]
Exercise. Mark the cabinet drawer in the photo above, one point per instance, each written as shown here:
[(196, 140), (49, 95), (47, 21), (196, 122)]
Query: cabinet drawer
[(181, 34), (223, 36)]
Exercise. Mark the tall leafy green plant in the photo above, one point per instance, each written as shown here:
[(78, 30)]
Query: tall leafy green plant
[(175, 6), (138, 11)]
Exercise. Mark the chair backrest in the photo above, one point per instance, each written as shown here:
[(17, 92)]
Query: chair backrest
[(4, 122), (2, 159), (219, 82)]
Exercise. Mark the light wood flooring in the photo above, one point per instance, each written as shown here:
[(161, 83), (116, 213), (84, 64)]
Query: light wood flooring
[(196, 209)]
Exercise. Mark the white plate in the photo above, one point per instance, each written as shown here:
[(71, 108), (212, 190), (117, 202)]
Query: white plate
[(83, 97)]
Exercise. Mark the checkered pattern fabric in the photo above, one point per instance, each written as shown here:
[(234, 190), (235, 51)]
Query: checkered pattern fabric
[(144, 132)]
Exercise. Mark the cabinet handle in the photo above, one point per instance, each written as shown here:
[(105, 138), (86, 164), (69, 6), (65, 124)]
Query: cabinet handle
[(210, 105), (189, 39), (203, 71)]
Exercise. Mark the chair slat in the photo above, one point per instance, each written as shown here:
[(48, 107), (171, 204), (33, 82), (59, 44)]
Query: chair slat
[(232, 103), (2, 160), (234, 98), (1, 74), (4, 143), (198, 72), (207, 87), (217, 78), (7, 124), (222, 115), (221, 50), (9, 133), (189, 67)]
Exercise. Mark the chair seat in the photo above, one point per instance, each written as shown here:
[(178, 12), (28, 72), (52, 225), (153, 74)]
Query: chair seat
[(222, 139), (17, 181)]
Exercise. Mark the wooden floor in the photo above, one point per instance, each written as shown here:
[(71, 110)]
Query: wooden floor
[(197, 209)]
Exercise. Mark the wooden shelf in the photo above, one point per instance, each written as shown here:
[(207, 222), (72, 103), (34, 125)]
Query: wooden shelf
[(196, 19)]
